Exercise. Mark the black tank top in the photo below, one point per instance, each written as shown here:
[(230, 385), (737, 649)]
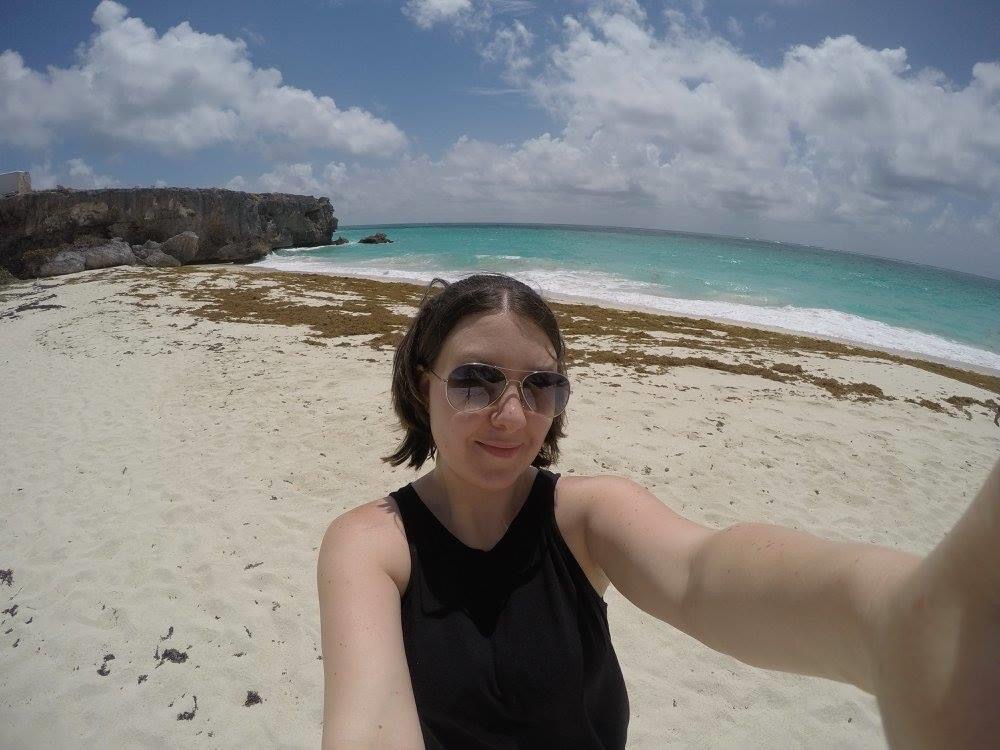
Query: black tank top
[(508, 647)]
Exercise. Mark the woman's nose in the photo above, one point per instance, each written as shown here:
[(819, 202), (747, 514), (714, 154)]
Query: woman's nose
[(512, 409)]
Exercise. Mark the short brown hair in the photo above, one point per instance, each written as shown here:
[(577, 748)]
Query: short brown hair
[(435, 319)]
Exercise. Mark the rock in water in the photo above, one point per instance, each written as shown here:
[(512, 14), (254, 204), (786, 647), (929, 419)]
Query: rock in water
[(339, 241), (375, 239), (37, 229)]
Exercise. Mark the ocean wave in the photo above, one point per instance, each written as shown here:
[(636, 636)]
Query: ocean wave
[(603, 287), (499, 257)]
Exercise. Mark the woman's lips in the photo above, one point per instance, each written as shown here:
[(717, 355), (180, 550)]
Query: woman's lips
[(496, 451)]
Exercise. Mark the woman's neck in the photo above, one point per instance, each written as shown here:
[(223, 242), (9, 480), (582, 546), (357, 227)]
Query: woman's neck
[(477, 516)]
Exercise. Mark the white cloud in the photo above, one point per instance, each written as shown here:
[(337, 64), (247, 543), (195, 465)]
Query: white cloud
[(291, 178), (511, 47), (427, 13), (837, 132), (463, 15), (42, 176), (179, 91), (238, 182), (82, 175), (75, 173), (733, 27)]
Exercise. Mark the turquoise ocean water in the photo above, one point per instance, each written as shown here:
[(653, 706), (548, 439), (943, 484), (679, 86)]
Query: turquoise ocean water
[(859, 298)]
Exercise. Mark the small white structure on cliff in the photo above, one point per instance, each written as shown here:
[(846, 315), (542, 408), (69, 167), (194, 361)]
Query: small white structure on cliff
[(14, 183)]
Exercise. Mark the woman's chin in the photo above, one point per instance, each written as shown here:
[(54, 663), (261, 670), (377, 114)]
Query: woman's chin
[(496, 472)]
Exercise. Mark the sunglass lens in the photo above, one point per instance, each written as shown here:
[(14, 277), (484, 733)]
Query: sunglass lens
[(473, 387), (546, 392)]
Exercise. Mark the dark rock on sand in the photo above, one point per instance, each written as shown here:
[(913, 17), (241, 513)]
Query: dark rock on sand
[(104, 671), (61, 262), (183, 246), (375, 239), (115, 253), (89, 253), (159, 259), (46, 228), (141, 251)]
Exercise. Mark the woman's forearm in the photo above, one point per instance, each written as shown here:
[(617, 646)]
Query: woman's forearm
[(782, 599)]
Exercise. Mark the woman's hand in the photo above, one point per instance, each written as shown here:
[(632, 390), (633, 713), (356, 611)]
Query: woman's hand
[(937, 649)]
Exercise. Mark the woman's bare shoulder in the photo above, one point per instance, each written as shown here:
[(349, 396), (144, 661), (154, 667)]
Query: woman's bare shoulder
[(579, 496), (582, 490), (375, 530), (576, 497)]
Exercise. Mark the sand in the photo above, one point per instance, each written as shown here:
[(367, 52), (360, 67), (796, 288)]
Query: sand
[(174, 442)]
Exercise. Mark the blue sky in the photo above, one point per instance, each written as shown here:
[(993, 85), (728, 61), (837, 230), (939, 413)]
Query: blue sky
[(867, 127)]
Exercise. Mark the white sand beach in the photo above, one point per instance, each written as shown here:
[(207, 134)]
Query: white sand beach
[(174, 442)]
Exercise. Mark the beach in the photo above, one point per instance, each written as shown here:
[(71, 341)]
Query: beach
[(175, 441)]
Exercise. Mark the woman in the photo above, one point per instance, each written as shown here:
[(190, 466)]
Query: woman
[(465, 610)]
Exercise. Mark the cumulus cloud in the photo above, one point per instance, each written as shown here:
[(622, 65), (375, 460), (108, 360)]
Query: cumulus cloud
[(179, 91), (838, 132)]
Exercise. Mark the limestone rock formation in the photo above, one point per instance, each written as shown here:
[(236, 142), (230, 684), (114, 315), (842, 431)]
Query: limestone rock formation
[(56, 229)]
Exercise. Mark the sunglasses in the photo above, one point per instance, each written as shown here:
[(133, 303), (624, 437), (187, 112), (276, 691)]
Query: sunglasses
[(475, 386)]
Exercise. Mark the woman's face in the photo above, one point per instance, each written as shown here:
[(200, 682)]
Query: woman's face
[(511, 343)]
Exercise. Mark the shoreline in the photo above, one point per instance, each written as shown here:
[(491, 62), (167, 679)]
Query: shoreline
[(598, 302)]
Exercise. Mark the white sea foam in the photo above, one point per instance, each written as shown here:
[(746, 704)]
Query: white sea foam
[(620, 291), (499, 257)]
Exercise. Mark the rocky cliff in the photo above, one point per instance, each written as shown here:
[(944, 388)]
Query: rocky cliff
[(37, 227)]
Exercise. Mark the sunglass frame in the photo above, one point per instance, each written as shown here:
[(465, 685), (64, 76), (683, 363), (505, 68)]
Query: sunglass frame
[(508, 381)]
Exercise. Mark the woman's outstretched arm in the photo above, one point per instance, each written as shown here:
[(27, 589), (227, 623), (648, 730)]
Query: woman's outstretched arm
[(938, 647), (769, 596), (782, 599)]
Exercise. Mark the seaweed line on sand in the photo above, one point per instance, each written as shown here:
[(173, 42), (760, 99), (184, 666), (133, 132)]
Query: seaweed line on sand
[(334, 307)]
